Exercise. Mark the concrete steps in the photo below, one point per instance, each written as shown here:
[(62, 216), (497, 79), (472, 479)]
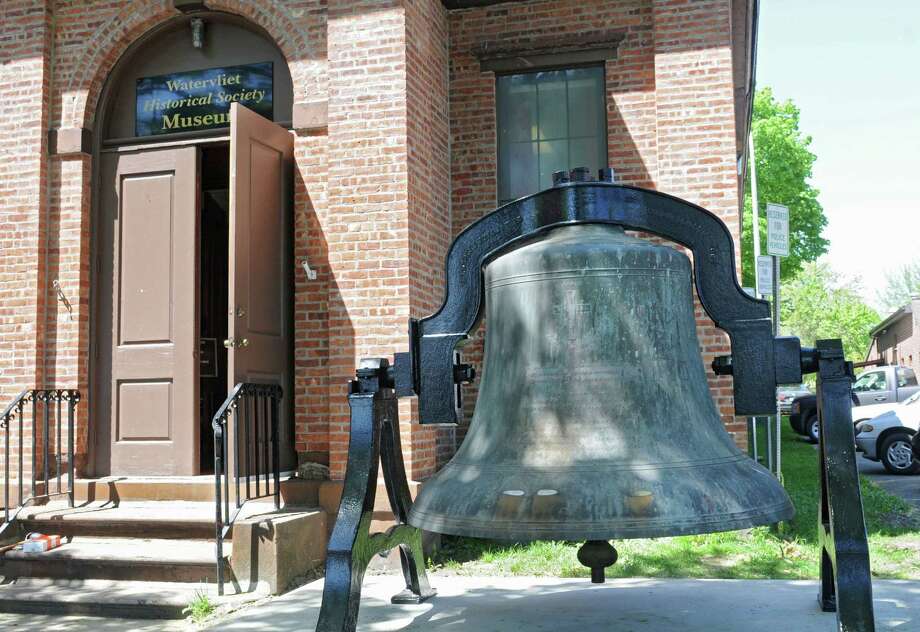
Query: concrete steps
[(140, 548), (131, 559)]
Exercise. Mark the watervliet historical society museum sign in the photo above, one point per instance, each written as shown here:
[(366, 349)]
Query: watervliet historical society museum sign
[(200, 99)]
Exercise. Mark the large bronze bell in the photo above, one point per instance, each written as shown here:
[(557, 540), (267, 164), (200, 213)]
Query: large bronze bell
[(594, 419)]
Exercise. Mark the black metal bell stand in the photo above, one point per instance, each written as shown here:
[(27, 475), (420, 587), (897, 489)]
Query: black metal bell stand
[(758, 363)]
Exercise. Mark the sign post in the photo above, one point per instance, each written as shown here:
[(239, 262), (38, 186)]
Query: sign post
[(755, 225), (777, 247)]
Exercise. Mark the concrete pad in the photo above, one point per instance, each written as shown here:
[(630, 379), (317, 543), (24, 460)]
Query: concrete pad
[(498, 604)]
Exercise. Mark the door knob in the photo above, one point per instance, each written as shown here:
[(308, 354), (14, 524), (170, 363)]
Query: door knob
[(229, 343), (242, 342)]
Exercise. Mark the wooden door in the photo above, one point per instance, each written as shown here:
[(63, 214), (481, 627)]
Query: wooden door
[(260, 346), (147, 402)]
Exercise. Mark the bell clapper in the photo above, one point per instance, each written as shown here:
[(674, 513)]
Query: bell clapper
[(597, 555)]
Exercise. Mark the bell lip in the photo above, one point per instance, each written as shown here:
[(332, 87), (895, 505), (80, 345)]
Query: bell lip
[(616, 530)]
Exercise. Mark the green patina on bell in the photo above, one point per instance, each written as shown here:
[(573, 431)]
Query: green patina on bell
[(594, 419)]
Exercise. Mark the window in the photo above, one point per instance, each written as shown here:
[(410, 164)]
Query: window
[(874, 381), (548, 121), (906, 377)]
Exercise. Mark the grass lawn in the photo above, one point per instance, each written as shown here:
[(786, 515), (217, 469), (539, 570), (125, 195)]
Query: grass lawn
[(788, 552)]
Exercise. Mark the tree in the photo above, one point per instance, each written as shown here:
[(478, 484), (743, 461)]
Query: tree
[(818, 304), (900, 286), (784, 165)]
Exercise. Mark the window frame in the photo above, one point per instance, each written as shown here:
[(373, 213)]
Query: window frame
[(561, 65)]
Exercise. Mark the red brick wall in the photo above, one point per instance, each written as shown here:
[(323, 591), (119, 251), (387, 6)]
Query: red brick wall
[(670, 112), (407, 160), (25, 50), (696, 137), (388, 213), (24, 61), (429, 191)]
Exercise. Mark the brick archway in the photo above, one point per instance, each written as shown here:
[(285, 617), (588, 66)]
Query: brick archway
[(82, 94)]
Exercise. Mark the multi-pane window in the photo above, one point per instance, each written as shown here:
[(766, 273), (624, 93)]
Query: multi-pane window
[(548, 121)]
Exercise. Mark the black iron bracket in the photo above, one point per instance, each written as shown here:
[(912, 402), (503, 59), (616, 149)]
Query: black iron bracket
[(758, 361), (846, 581), (374, 441)]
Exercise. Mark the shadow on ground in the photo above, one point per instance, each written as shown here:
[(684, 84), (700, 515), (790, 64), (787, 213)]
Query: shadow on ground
[(625, 605)]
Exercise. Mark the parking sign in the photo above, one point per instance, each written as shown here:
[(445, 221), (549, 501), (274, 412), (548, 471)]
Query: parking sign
[(765, 275), (777, 230)]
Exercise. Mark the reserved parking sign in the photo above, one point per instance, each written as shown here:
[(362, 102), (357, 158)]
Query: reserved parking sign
[(777, 230)]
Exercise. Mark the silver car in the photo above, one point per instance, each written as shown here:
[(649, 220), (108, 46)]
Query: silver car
[(887, 437)]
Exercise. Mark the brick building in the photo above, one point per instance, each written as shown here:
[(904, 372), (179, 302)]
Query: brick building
[(402, 124), (896, 340)]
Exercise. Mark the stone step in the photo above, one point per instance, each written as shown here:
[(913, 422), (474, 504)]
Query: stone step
[(294, 491), (176, 520), (165, 520), (109, 598), (136, 559)]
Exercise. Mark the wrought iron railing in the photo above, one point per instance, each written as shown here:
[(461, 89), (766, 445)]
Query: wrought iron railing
[(253, 447), (35, 428)]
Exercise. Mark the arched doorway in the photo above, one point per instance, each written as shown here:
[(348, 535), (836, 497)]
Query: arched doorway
[(191, 241)]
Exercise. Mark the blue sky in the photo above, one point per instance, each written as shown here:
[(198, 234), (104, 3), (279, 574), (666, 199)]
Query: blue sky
[(853, 68)]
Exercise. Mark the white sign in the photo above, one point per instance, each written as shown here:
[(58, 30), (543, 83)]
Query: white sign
[(777, 230), (765, 275)]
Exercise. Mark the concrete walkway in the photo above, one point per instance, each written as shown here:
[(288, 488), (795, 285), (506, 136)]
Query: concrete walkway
[(514, 604)]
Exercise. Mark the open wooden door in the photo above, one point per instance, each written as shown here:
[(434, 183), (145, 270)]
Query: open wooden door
[(260, 345), (146, 373)]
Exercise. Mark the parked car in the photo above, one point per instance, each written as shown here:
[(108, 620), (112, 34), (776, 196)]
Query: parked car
[(874, 392), (887, 438), (803, 415), (885, 384), (786, 394)]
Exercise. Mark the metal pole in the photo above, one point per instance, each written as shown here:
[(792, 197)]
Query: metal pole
[(770, 452), (755, 205), (218, 515), (755, 228), (71, 406), (779, 455), (754, 430)]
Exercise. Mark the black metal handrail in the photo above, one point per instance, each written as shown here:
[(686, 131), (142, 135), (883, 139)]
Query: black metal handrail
[(256, 455), (44, 430)]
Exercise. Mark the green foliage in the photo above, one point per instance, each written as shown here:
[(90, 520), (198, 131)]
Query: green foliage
[(784, 165), (817, 304), (900, 286), (759, 553), (200, 608)]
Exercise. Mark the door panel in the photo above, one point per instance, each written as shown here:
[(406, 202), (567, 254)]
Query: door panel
[(261, 157), (148, 387), (144, 236)]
